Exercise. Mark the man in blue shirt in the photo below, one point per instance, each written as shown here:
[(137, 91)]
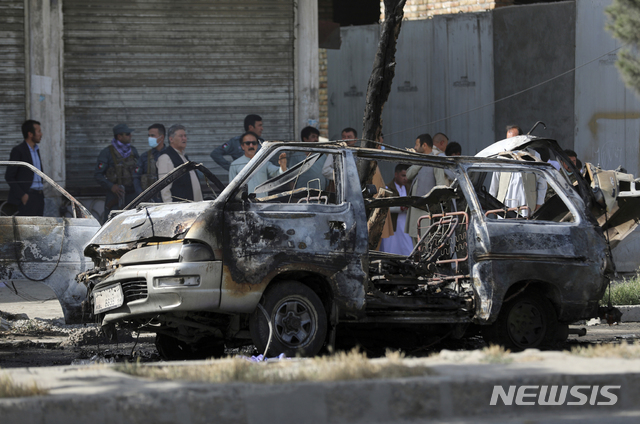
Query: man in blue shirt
[(25, 186), (249, 145), (253, 124)]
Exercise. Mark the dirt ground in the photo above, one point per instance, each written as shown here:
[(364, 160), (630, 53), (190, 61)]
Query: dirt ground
[(33, 334)]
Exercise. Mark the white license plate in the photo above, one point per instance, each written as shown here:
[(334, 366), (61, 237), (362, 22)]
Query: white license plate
[(107, 299)]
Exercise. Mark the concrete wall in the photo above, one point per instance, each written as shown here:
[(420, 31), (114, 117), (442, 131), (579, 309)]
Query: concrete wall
[(444, 70), (607, 130), (348, 75), (422, 9), (451, 68), (607, 127), (532, 44), (45, 97), (307, 74)]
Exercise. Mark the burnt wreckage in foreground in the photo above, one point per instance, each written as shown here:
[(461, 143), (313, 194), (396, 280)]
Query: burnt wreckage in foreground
[(288, 265)]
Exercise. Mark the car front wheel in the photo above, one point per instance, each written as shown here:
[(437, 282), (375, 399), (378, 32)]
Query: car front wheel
[(298, 320)]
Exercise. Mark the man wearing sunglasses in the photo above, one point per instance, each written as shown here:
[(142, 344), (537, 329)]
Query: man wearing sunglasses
[(249, 144), (115, 169)]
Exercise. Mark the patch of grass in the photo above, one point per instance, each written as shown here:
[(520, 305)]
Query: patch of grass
[(496, 354), (624, 351), (340, 366), (626, 292), (9, 389)]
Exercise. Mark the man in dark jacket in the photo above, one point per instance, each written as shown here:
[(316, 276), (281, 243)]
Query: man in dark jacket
[(252, 123), (147, 170), (187, 187), (115, 169), (25, 186)]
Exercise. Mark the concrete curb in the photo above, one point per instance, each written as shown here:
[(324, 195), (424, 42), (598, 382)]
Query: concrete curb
[(455, 391), (630, 313)]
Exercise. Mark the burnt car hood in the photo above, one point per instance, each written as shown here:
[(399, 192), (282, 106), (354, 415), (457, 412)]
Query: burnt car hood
[(150, 222)]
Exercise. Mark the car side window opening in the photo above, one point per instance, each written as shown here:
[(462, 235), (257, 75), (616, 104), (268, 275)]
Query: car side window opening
[(520, 194), (435, 214), (302, 182)]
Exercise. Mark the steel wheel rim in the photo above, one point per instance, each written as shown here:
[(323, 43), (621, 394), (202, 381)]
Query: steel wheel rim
[(526, 324), (294, 322)]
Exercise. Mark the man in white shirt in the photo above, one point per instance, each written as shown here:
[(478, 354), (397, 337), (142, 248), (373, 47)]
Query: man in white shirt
[(440, 142), (186, 187), (249, 144), (422, 179), (516, 189), (400, 242)]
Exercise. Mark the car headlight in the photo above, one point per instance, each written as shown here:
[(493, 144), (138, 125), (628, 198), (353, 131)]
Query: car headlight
[(195, 252), (177, 281)]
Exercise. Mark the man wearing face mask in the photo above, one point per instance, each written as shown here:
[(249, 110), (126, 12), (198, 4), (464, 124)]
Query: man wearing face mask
[(147, 171)]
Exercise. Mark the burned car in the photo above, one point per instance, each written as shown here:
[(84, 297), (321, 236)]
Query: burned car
[(289, 266), (47, 250)]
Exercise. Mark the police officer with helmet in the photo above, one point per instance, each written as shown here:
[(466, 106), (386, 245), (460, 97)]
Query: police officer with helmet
[(115, 169)]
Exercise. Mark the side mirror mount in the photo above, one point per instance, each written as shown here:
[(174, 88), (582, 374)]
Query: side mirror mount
[(242, 195)]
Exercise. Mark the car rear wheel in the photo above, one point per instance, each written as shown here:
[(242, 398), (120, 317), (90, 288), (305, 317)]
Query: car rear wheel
[(298, 319), (527, 321)]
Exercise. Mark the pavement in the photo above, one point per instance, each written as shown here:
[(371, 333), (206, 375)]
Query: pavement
[(32, 298), (458, 389)]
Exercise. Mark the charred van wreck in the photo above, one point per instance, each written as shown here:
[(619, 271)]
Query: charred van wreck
[(287, 264)]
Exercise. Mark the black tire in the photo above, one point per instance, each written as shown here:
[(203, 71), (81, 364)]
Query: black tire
[(527, 321), (298, 319), (172, 349)]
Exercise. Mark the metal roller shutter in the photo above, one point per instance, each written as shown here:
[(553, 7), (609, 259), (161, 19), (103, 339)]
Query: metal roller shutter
[(205, 64), (12, 82)]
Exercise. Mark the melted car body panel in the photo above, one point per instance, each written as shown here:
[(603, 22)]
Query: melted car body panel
[(48, 250)]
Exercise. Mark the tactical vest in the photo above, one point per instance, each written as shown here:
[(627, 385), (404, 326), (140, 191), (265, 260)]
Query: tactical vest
[(151, 176), (122, 171)]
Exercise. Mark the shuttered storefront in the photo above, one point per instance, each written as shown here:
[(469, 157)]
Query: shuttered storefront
[(205, 64), (12, 80)]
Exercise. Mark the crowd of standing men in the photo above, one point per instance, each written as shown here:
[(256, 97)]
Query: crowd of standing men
[(124, 174)]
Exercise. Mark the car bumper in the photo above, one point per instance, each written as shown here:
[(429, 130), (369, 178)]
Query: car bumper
[(143, 295)]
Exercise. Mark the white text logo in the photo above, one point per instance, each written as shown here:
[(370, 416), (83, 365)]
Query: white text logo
[(555, 395)]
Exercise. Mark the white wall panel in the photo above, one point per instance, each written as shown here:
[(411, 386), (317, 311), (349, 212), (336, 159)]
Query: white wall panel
[(607, 113), (444, 67), (348, 75)]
